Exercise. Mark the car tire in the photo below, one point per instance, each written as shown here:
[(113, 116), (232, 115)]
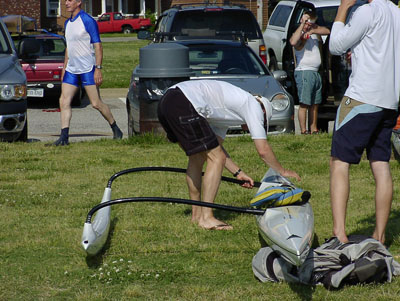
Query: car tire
[(273, 64), (127, 30), (131, 129)]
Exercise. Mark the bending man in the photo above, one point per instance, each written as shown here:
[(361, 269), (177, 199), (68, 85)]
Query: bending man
[(197, 114)]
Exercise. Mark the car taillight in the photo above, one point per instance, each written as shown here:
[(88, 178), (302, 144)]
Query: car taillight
[(263, 53), (213, 9), (57, 74)]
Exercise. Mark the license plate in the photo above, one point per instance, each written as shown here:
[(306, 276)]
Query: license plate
[(35, 92)]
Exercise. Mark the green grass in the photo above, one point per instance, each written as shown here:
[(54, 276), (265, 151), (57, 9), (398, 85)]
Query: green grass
[(119, 60), (154, 252)]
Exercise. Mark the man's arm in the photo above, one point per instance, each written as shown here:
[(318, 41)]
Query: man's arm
[(345, 37), (233, 168), (321, 30), (65, 64), (98, 51), (295, 39), (267, 155)]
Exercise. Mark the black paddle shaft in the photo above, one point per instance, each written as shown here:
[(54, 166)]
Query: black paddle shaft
[(171, 200)]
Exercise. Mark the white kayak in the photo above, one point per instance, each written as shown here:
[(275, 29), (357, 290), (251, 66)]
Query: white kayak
[(288, 230)]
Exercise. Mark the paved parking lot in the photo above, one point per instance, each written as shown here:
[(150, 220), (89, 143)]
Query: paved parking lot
[(86, 123)]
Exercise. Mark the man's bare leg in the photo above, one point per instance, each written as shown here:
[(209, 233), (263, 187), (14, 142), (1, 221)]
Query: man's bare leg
[(383, 197), (302, 118), (194, 179), (339, 191), (96, 102), (67, 93), (313, 118), (212, 178)]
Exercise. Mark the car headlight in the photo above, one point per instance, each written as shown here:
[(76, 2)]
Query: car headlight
[(12, 92), (280, 102)]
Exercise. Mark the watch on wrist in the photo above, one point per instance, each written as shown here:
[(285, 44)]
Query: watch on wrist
[(99, 67)]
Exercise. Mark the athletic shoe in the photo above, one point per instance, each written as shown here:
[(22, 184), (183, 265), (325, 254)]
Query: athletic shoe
[(60, 142)]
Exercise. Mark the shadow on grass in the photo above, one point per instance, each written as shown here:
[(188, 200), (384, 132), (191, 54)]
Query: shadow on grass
[(94, 262), (392, 229), (304, 292)]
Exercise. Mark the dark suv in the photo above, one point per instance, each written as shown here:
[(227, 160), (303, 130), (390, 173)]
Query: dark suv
[(211, 20), (13, 105)]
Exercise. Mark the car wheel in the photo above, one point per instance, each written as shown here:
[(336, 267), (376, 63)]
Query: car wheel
[(131, 130), (24, 134), (127, 30), (273, 64)]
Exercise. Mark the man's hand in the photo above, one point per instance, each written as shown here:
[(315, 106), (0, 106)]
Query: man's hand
[(98, 77), (290, 174), (343, 9), (248, 182)]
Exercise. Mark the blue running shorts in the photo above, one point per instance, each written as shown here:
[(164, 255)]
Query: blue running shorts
[(360, 126), (86, 79), (309, 87)]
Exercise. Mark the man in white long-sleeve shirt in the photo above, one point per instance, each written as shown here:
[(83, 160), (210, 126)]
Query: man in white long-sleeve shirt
[(368, 111)]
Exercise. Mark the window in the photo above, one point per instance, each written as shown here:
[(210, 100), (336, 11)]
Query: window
[(280, 16), (104, 18), (53, 8), (4, 47), (221, 21)]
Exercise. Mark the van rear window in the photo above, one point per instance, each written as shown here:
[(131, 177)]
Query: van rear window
[(219, 20)]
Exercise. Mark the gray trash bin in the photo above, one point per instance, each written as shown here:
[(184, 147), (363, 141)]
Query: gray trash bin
[(161, 65)]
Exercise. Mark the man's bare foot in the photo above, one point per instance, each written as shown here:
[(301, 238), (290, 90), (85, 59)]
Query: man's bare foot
[(220, 227), (214, 224), (342, 238), (380, 239)]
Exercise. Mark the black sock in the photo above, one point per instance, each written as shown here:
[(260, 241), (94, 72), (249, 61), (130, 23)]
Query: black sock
[(114, 125), (64, 134)]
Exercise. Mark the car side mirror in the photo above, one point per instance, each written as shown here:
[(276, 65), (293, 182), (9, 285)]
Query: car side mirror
[(280, 75)]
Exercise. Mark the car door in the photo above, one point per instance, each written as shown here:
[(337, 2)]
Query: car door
[(275, 35)]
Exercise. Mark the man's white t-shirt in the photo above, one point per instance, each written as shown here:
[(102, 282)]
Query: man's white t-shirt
[(224, 105), (81, 33), (373, 34)]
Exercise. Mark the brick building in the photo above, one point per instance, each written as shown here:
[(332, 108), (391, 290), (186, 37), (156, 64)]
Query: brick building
[(51, 14)]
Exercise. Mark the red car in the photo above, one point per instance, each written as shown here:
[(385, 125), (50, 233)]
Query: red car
[(42, 59)]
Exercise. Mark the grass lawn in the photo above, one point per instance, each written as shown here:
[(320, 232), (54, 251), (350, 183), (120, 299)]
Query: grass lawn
[(154, 252), (119, 60)]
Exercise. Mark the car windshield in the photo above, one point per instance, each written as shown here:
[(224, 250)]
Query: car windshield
[(4, 47), (217, 60), (221, 21), (49, 47)]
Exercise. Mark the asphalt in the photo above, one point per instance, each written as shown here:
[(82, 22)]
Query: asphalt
[(86, 122)]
